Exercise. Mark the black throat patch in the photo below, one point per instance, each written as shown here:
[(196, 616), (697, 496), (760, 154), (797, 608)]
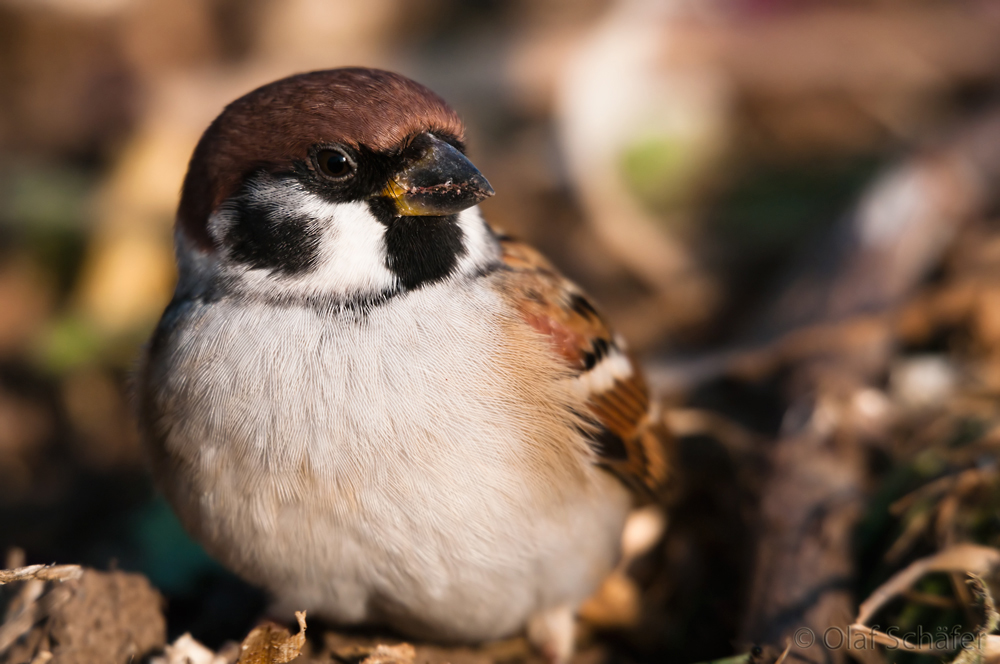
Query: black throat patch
[(420, 250)]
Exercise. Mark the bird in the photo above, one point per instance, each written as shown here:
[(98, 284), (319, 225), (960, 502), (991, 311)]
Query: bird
[(369, 402)]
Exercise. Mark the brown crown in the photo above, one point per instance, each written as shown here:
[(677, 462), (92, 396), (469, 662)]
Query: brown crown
[(278, 123)]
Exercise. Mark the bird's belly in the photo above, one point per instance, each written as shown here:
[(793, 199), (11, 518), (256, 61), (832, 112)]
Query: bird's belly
[(384, 471)]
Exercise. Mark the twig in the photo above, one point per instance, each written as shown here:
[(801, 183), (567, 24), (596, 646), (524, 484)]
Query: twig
[(980, 560), (41, 572)]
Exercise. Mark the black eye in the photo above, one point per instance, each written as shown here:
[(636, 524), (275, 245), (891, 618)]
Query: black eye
[(334, 164)]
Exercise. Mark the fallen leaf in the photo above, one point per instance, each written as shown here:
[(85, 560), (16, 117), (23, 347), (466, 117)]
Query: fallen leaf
[(403, 653), (272, 644)]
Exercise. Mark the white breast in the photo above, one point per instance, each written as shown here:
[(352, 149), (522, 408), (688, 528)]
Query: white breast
[(414, 465)]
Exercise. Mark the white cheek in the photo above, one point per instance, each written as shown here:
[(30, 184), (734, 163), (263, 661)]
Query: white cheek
[(352, 253), (351, 257)]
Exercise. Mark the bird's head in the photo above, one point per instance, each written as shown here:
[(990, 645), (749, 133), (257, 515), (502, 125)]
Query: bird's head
[(347, 182)]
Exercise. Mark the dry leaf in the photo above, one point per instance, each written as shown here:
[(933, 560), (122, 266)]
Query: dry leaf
[(272, 644), (403, 653)]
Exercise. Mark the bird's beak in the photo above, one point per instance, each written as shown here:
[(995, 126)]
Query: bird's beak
[(440, 181)]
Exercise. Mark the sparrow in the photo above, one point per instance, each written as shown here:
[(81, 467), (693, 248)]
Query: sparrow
[(364, 399)]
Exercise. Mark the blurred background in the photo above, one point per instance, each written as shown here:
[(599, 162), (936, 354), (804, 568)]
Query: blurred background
[(787, 206)]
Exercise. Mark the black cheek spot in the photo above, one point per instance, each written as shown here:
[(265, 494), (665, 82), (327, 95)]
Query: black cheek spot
[(263, 238)]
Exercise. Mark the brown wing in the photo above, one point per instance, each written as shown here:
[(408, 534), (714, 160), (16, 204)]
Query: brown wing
[(628, 441)]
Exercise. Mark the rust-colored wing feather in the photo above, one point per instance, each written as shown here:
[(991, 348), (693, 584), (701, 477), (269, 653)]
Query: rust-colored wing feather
[(627, 438)]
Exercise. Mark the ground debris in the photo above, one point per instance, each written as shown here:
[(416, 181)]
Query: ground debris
[(96, 617), (970, 558), (41, 573), (272, 644), (187, 650), (356, 649), (978, 646), (401, 653)]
